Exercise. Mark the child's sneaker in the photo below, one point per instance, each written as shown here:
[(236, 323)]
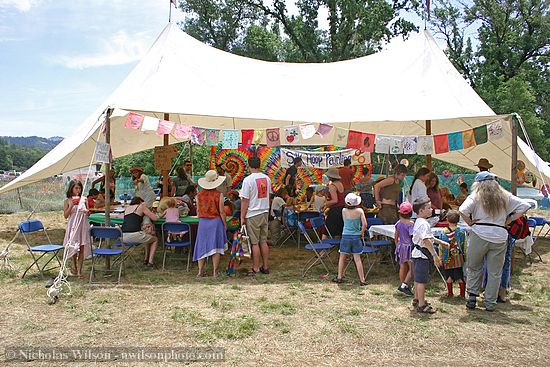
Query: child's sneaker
[(405, 290)]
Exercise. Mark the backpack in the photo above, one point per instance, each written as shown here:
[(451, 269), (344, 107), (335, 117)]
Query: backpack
[(519, 228)]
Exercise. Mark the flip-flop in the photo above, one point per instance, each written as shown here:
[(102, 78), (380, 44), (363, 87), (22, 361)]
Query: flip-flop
[(264, 271), (338, 280), (251, 272)]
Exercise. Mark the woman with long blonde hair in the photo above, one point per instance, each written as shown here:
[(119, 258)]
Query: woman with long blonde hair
[(488, 210)]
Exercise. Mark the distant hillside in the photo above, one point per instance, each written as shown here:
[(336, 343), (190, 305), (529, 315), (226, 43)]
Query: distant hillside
[(20, 153), (45, 144)]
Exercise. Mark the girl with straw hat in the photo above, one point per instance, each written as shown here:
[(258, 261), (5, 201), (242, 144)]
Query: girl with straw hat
[(211, 235)]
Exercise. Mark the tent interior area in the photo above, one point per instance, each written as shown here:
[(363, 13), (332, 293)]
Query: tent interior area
[(396, 92)]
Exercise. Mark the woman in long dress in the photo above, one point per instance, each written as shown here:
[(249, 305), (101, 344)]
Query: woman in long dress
[(211, 235)]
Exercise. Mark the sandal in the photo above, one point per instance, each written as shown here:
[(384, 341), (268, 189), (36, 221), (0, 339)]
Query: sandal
[(264, 271), (338, 280), (362, 284), (425, 309), (252, 272), (415, 303)]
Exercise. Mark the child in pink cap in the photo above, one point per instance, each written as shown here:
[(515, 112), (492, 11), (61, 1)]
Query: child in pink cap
[(403, 247)]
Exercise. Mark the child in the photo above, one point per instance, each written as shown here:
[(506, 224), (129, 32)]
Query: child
[(454, 257), (319, 200), (423, 240), (355, 225), (463, 193), (171, 214), (77, 235), (309, 198), (92, 196), (403, 247)]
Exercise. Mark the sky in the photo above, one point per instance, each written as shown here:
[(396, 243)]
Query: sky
[(59, 59)]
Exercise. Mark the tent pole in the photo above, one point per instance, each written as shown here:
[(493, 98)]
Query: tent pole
[(514, 172), (108, 170), (191, 157), (429, 156), (165, 173)]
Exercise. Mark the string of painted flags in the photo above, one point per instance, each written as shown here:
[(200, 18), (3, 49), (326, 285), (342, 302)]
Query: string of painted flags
[(342, 137)]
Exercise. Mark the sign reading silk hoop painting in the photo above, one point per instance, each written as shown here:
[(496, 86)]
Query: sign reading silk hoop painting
[(236, 160), (324, 160)]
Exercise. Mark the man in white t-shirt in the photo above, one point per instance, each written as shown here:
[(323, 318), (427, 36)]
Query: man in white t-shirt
[(255, 214)]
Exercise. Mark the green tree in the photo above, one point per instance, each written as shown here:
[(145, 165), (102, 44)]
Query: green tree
[(503, 48), (269, 32)]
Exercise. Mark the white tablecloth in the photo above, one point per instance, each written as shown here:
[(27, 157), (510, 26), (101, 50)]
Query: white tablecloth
[(389, 230)]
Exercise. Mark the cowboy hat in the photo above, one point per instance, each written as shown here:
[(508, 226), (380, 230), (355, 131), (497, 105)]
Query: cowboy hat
[(211, 180), (135, 168), (333, 173), (484, 163)]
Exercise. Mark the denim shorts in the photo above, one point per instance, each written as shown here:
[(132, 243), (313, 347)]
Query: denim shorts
[(351, 245), (421, 269)]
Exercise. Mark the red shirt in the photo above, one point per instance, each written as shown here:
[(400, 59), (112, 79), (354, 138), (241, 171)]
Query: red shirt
[(209, 203), (91, 202), (346, 174)]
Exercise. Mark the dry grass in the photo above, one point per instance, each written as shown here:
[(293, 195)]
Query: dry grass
[(280, 319)]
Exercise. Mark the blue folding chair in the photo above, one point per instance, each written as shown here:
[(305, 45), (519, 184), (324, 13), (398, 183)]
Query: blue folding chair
[(32, 226), (321, 251), (380, 244), (533, 225), (175, 227), (128, 248), (290, 230), (107, 233), (318, 224), (540, 222), (125, 197)]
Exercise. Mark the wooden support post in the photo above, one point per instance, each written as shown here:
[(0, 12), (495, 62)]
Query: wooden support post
[(514, 173), (191, 157), (165, 173), (429, 132), (108, 170)]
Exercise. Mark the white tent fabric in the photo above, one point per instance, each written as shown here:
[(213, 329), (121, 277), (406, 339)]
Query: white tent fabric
[(390, 92)]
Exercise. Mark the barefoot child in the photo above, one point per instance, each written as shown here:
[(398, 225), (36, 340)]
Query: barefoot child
[(355, 225), (454, 257), (403, 247), (171, 214), (423, 240)]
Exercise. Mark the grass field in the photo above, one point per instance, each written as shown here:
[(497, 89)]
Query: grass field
[(278, 319)]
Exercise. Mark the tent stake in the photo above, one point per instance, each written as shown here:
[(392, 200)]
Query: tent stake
[(429, 156)]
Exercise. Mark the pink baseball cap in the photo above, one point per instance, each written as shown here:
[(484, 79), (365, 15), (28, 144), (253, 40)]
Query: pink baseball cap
[(405, 208)]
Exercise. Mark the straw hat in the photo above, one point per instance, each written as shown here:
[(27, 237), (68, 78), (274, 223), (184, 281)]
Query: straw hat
[(333, 173), (211, 180), (484, 163)]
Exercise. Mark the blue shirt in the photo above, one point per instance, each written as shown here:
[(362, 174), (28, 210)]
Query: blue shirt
[(352, 227)]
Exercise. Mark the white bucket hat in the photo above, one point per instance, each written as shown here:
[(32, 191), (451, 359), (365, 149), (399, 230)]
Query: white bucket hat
[(352, 199), (211, 180)]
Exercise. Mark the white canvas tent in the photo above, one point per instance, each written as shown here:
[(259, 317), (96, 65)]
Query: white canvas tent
[(390, 92)]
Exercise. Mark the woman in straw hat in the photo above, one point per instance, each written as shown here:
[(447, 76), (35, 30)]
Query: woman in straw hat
[(335, 203), (211, 236)]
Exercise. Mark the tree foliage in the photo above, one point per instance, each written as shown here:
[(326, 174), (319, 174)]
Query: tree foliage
[(503, 48), (265, 31), (16, 157), (145, 160)]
